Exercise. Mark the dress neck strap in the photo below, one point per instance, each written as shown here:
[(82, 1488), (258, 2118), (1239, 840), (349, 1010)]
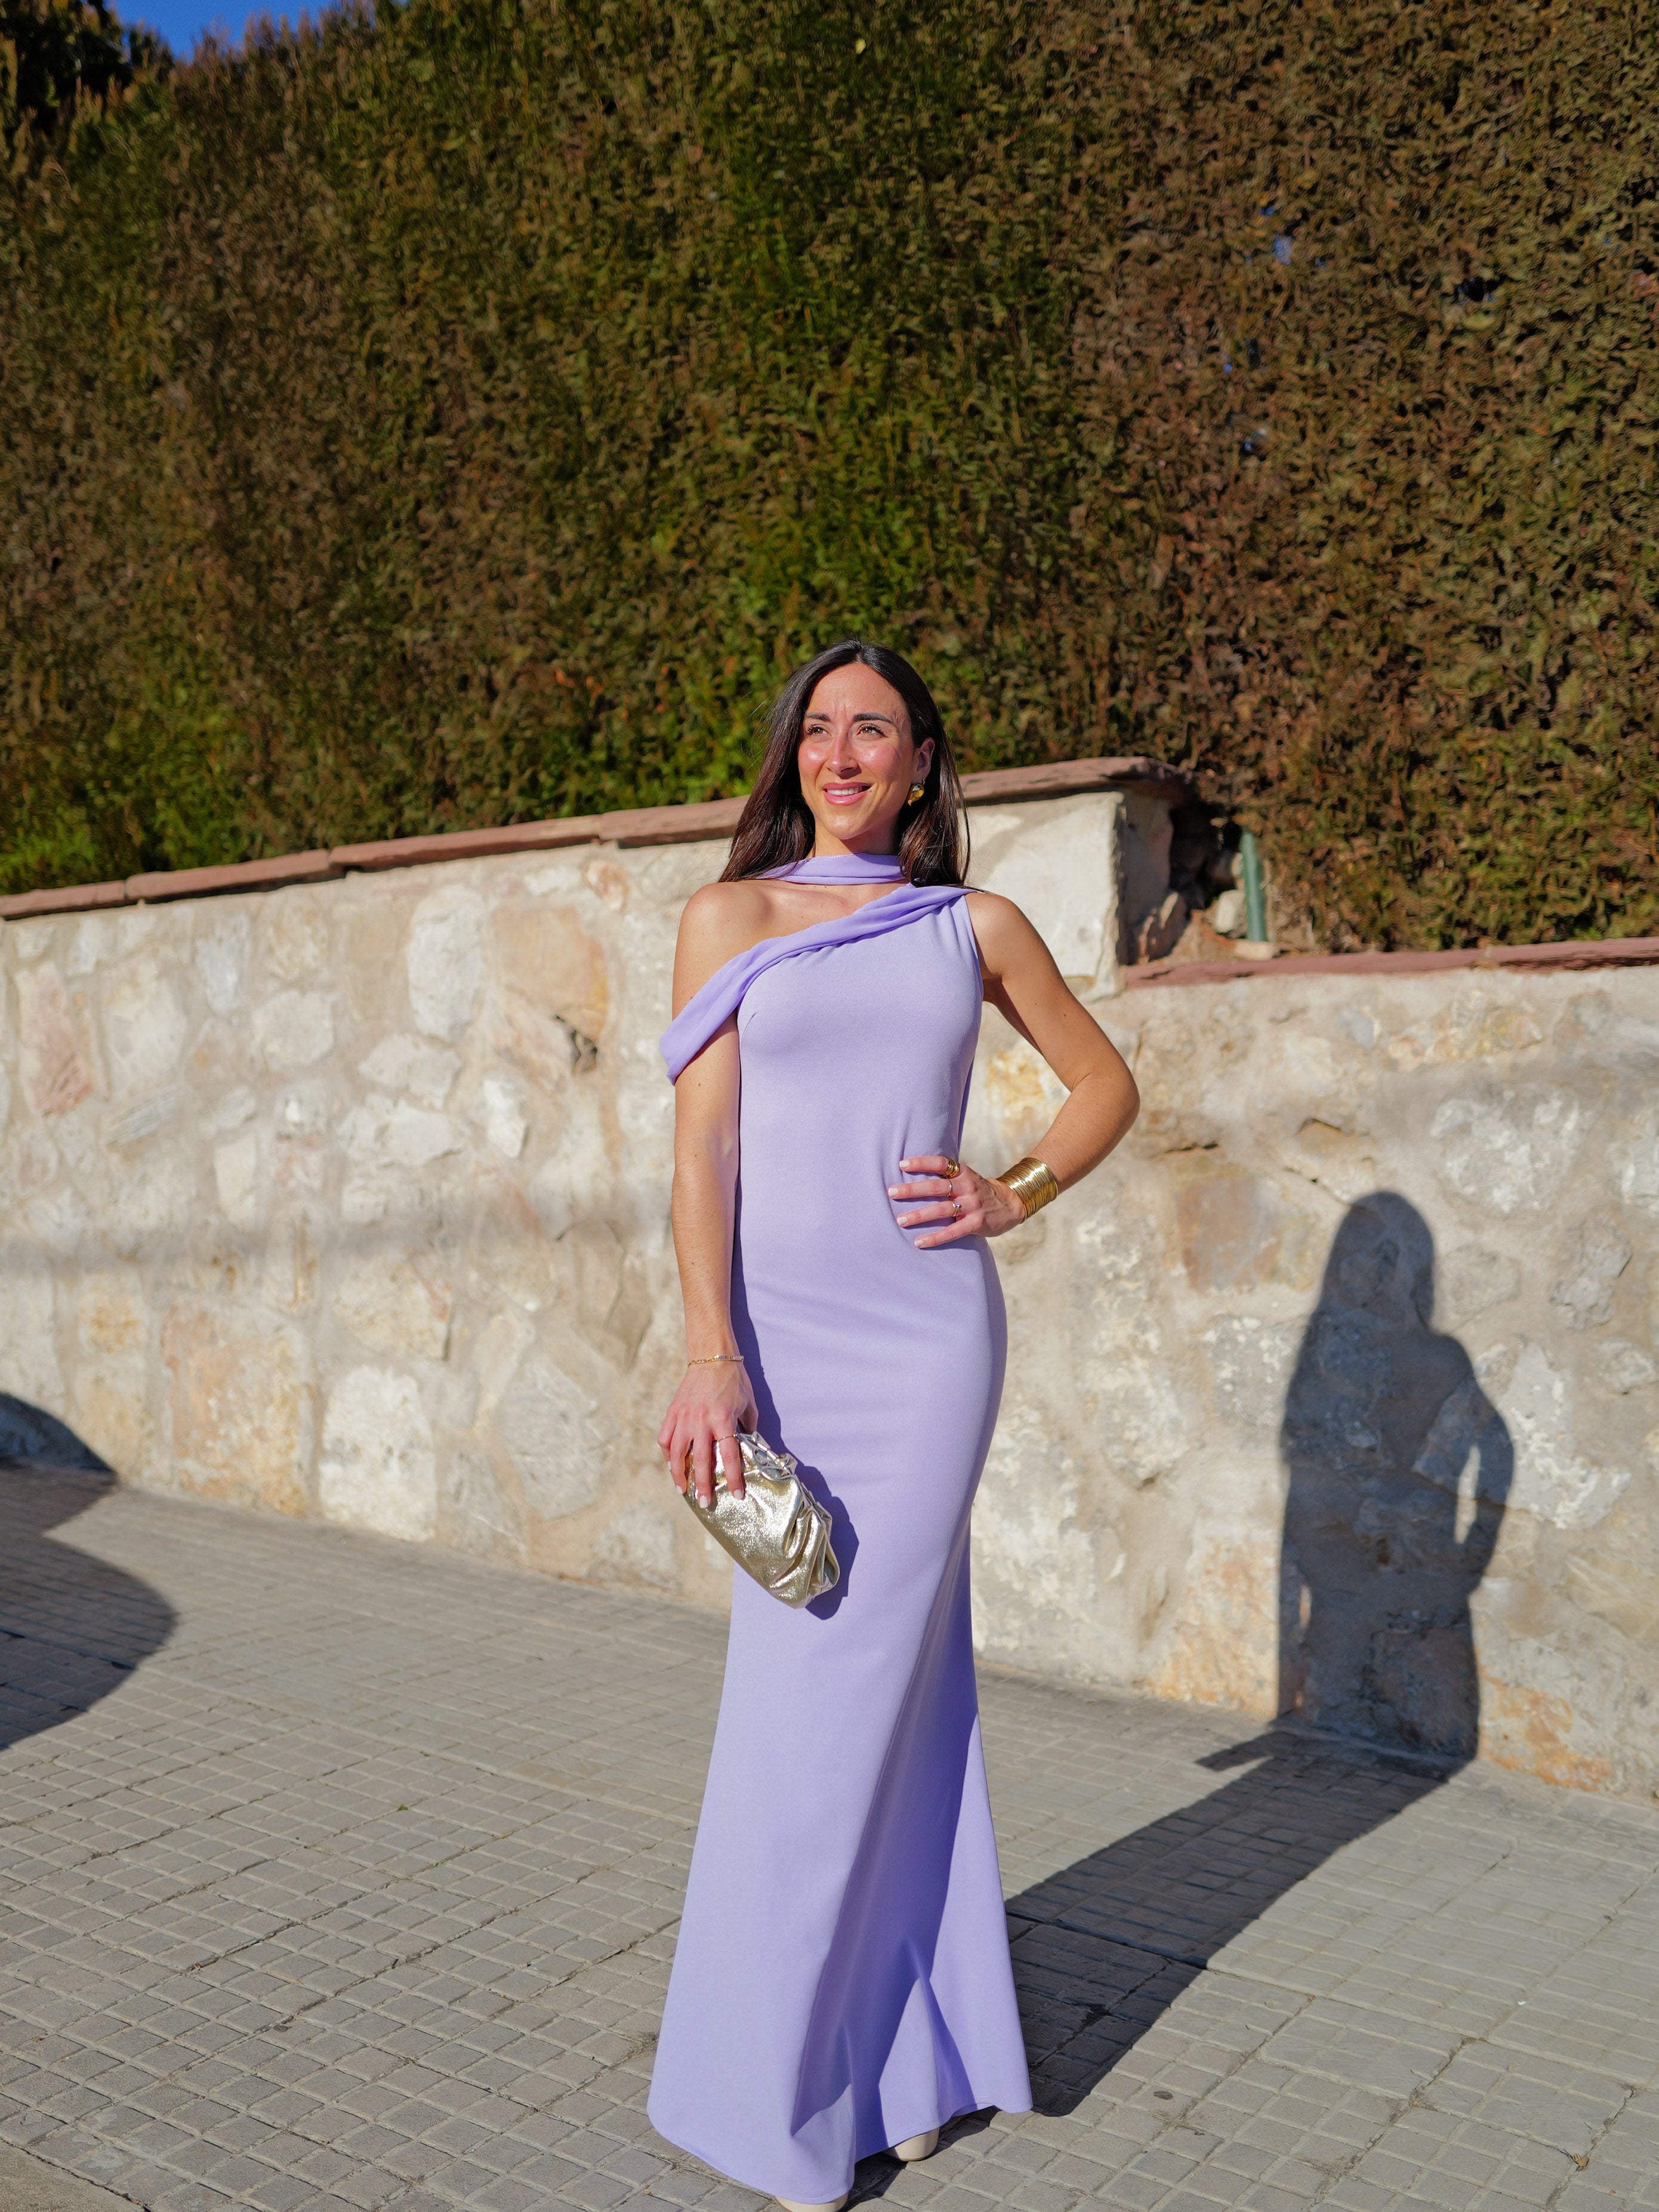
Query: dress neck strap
[(842, 868)]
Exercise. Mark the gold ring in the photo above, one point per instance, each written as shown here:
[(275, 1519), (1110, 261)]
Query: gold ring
[(955, 1209), (952, 1167)]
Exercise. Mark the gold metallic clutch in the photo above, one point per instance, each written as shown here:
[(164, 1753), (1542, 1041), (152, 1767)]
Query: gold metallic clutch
[(776, 1531)]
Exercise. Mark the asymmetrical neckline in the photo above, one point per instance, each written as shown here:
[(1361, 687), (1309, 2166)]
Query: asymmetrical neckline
[(724, 992)]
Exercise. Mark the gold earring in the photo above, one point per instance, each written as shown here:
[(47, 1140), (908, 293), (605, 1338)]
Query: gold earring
[(917, 790)]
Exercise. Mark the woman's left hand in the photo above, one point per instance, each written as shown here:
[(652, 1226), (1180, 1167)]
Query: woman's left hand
[(966, 1203)]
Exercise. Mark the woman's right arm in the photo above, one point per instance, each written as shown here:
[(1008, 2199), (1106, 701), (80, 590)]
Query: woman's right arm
[(715, 1399)]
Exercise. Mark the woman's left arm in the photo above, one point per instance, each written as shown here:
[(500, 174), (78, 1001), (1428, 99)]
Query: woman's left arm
[(1024, 984)]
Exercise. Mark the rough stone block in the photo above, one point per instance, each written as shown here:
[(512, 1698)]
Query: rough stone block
[(637, 1548), (1250, 1362), (550, 1426), (384, 1132), (1057, 864), (445, 961), (28, 1339), (240, 1403), (295, 1029), (52, 1061), (145, 1024), (377, 1468), (1636, 1160), (112, 1410), (1597, 1255), (236, 1178), (1470, 1028), (1237, 1232), (109, 1311), (1509, 1151), (546, 956), (220, 960), (1472, 1280), (426, 1071), (1554, 1477), (397, 1302), (1624, 1367)]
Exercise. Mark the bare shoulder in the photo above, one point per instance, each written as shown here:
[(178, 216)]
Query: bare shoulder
[(719, 921), (722, 910), (1002, 932)]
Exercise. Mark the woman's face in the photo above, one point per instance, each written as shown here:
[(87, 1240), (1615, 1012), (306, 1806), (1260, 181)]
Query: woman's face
[(857, 759)]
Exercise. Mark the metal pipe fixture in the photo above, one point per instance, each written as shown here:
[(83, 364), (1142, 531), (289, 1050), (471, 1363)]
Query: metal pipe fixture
[(1256, 889)]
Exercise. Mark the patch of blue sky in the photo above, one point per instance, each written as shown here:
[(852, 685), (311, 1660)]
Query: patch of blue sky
[(182, 24)]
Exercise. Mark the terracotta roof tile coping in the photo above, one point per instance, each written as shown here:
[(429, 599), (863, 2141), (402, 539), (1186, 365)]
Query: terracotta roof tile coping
[(72, 899), (239, 876), (634, 826), (718, 818), (1608, 952), (1070, 779)]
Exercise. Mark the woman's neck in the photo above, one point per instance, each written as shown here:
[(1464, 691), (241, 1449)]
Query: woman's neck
[(828, 847)]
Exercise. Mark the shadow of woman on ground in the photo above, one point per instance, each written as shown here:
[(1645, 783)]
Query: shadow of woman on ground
[(72, 1627), (1398, 1469)]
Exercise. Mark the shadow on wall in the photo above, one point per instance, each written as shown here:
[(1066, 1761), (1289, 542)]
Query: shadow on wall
[(72, 1627), (1399, 1469)]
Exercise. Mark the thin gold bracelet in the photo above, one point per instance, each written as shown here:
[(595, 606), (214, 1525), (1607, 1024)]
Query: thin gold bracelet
[(714, 1359), (1032, 1184)]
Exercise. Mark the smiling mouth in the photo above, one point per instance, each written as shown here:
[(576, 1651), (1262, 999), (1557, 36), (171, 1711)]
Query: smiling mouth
[(845, 794)]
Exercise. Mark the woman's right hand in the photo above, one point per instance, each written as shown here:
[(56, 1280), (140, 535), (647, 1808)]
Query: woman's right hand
[(712, 1404)]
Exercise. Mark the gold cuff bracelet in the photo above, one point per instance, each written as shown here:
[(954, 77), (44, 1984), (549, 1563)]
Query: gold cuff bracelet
[(1032, 1184)]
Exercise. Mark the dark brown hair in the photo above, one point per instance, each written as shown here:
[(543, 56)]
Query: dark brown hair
[(776, 826)]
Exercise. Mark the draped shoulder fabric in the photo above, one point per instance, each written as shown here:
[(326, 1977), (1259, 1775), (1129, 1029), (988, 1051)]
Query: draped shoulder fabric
[(726, 988), (841, 1978)]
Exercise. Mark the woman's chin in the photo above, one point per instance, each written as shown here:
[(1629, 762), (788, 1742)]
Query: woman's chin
[(854, 826)]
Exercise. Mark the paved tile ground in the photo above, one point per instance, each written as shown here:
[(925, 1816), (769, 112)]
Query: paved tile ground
[(27, 2184), (336, 1876)]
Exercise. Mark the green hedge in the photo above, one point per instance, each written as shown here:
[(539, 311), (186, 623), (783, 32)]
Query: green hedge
[(469, 417)]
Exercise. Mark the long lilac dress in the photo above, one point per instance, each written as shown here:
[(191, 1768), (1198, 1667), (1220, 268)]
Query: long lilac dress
[(841, 1978)]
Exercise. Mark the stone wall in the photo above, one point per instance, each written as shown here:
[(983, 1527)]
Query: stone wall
[(1335, 1389)]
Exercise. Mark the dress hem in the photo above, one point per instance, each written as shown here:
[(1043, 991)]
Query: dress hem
[(876, 2150)]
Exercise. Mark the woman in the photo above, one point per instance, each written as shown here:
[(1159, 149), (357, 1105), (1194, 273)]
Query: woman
[(841, 1982)]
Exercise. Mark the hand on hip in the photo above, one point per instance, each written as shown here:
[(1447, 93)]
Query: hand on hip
[(962, 1201)]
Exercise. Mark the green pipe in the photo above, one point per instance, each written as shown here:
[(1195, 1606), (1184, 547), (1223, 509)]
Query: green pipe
[(1255, 891)]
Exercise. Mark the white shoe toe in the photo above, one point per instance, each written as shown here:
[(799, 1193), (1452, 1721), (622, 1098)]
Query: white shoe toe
[(916, 2147)]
